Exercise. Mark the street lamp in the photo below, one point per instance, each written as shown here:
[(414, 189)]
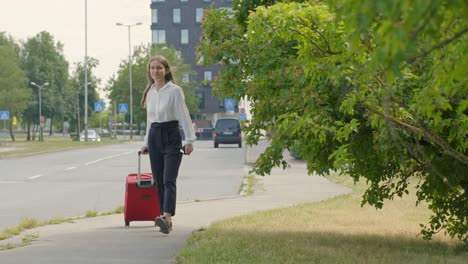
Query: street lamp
[(130, 71), (40, 107)]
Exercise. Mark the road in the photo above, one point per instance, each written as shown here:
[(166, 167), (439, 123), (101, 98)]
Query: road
[(72, 182)]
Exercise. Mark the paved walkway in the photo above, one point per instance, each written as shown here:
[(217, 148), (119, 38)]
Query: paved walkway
[(104, 239)]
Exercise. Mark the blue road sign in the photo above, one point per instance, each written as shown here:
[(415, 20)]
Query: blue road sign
[(229, 104), (98, 106), (4, 115), (123, 108), (243, 116)]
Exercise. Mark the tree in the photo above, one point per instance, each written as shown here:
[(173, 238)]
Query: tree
[(77, 95), (13, 82), (43, 61), (373, 89), (119, 86)]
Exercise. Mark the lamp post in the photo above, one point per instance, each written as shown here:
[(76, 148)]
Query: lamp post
[(130, 72), (86, 74), (78, 130), (40, 107)]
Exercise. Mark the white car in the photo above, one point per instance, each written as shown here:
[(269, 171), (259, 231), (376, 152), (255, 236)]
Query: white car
[(92, 136)]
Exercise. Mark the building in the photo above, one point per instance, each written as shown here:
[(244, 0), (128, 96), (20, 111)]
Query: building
[(177, 23)]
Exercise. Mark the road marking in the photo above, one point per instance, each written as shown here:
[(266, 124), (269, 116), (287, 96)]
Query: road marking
[(70, 168), (96, 161), (11, 181), (109, 157), (35, 176)]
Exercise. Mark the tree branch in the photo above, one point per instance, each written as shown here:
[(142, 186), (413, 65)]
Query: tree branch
[(422, 131), (438, 46), (425, 22), (427, 132), (327, 51)]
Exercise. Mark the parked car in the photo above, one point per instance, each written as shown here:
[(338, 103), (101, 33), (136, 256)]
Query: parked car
[(92, 135), (227, 131), (102, 132)]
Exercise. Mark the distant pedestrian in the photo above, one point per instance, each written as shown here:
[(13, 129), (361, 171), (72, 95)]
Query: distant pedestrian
[(166, 111)]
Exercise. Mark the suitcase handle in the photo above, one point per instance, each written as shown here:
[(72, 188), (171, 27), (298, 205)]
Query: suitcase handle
[(139, 174)]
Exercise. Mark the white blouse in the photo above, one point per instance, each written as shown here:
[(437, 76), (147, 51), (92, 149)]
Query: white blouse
[(168, 104)]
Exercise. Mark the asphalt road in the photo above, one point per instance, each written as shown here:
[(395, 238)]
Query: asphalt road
[(70, 183)]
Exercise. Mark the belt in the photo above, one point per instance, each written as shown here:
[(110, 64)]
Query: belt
[(169, 124)]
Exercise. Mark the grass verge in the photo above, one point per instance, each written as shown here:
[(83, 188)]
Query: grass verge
[(31, 223), (337, 230), (21, 147), (248, 185)]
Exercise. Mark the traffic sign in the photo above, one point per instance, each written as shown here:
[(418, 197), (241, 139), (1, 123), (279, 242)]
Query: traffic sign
[(4, 115), (229, 104), (242, 116), (98, 106), (123, 108)]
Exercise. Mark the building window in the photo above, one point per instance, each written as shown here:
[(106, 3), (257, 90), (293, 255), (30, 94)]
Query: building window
[(201, 95), (154, 16), (207, 76), (198, 15), (186, 78), (208, 1), (184, 36), (178, 53), (159, 36), (184, 1), (176, 15)]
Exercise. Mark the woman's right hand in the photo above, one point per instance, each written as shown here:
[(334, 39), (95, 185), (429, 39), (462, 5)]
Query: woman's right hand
[(144, 150)]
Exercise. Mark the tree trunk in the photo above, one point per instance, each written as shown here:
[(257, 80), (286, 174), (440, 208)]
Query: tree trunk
[(11, 133), (28, 136), (33, 132)]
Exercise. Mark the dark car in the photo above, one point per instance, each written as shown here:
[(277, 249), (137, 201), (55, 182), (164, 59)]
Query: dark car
[(227, 131)]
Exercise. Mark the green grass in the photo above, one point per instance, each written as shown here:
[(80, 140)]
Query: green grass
[(249, 185), (21, 147), (31, 223), (337, 230), (91, 214)]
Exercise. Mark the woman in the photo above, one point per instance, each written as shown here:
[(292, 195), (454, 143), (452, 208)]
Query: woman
[(166, 110)]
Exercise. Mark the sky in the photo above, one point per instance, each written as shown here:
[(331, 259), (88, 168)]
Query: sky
[(65, 20)]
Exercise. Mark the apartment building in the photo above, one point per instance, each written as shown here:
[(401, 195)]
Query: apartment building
[(177, 23)]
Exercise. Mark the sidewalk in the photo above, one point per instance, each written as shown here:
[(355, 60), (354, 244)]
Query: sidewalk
[(104, 239)]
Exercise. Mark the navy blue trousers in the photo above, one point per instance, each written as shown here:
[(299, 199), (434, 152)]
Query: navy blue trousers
[(164, 146)]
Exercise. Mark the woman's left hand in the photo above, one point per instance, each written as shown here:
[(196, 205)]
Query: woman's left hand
[(188, 149)]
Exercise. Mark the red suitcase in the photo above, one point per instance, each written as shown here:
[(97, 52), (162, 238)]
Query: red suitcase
[(141, 197)]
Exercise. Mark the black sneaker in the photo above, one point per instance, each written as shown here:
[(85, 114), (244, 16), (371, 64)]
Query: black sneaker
[(164, 226)]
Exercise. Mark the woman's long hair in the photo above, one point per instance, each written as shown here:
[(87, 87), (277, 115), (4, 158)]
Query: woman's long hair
[(168, 77)]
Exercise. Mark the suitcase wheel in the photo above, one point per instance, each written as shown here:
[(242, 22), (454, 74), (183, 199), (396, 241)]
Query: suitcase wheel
[(127, 223)]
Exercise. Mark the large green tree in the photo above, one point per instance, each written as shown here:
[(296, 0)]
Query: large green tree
[(118, 87), (44, 62), (13, 83), (373, 89)]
